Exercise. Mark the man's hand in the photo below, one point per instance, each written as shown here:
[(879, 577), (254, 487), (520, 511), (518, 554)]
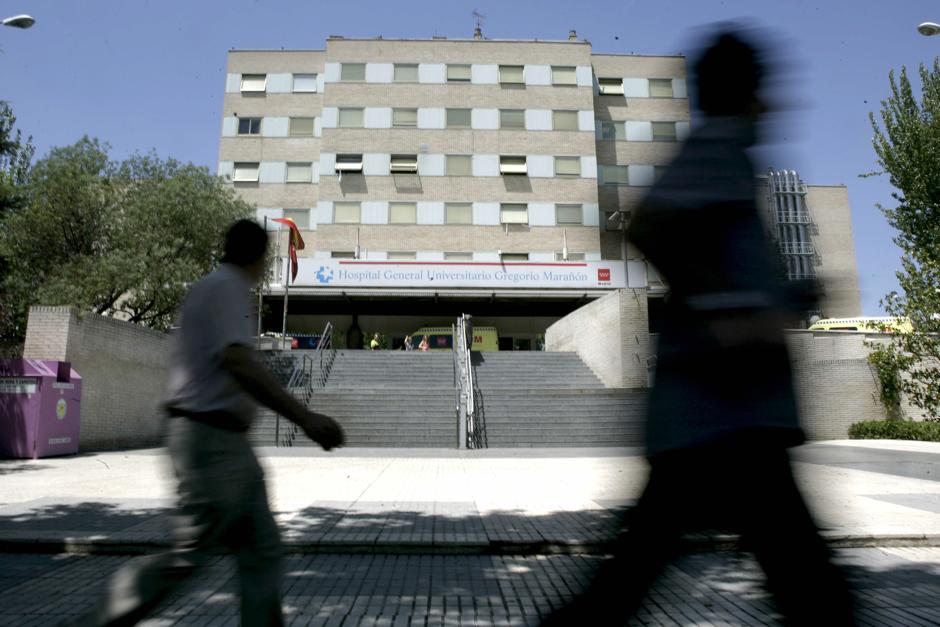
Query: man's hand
[(323, 430)]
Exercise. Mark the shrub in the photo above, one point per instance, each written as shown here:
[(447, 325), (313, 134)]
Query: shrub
[(927, 431)]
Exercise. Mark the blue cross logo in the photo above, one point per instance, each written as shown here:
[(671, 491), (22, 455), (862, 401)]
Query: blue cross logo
[(324, 275)]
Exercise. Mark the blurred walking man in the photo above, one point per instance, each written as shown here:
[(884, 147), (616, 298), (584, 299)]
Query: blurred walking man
[(215, 380), (722, 412)]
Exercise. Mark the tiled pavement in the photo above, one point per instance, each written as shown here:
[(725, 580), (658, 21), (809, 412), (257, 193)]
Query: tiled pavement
[(894, 587)]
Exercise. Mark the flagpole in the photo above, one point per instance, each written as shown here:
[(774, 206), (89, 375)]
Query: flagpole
[(286, 289)]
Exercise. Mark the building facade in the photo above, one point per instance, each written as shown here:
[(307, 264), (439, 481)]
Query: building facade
[(436, 177)]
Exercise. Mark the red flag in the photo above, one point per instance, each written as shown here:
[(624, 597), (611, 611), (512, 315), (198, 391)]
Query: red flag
[(295, 243)]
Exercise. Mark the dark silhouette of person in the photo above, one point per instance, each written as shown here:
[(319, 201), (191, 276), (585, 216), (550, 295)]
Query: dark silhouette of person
[(215, 380), (722, 411)]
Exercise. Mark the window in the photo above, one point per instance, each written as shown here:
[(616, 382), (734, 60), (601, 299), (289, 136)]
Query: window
[(401, 256), (567, 166), (613, 130), (348, 163), (245, 172), (405, 117), (512, 165), (404, 164), (352, 72), (300, 127), (514, 257), (343, 254), (660, 88), (610, 86), (402, 213), (511, 75), (350, 118), (664, 131), (658, 171), (458, 213), (301, 217), (513, 213), (346, 213), (249, 126), (459, 165), (615, 174), (560, 256), (458, 256), (511, 118), (253, 83), (568, 214), (406, 73), (305, 83), (565, 120), (458, 73), (458, 118), (299, 172), (564, 75)]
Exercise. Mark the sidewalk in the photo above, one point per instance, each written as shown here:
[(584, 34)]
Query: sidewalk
[(518, 502)]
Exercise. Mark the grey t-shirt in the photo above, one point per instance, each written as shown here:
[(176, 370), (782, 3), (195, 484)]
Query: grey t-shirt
[(216, 314)]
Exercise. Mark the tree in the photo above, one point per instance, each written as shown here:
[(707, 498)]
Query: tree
[(15, 157), (119, 239), (908, 147)]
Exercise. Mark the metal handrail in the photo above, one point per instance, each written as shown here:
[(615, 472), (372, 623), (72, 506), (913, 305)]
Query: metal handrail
[(463, 373), (310, 374)]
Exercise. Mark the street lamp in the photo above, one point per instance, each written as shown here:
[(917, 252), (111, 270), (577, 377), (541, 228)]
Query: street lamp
[(929, 28), (19, 21)]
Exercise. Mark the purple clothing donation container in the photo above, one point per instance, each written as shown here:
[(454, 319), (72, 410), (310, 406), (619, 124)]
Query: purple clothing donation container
[(39, 408)]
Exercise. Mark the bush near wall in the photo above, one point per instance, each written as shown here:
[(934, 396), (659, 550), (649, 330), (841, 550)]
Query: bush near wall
[(926, 431)]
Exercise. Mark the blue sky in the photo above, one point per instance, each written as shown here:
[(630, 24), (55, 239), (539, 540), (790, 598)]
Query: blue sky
[(150, 74)]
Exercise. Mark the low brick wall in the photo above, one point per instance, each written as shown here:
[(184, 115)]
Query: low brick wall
[(835, 385), (123, 368), (611, 335)]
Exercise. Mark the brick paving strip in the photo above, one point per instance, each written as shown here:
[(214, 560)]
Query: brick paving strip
[(133, 526), (893, 587)]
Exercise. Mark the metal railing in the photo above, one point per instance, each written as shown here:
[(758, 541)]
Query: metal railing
[(468, 433), (796, 248), (309, 375)]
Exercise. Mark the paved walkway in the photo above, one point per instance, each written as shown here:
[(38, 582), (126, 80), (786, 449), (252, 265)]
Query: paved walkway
[(447, 501), (442, 537), (898, 586)]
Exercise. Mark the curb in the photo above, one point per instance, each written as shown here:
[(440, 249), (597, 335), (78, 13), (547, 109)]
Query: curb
[(120, 544)]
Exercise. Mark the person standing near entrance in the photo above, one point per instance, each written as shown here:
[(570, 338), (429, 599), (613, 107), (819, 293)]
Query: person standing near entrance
[(215, 380), (375, 344), (722, 412)]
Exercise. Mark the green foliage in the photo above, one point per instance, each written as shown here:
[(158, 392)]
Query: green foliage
[(928, 431), (907, 143), (115, 238), (15, 157), (888, 364)]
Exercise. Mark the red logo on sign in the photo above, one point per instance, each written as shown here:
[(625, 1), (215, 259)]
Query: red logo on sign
[(603, 274)]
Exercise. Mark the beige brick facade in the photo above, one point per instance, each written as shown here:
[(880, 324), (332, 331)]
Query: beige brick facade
[(438, 95)]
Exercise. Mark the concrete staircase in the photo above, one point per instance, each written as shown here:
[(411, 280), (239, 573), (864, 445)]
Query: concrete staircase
[(527, 399), (534, 399), (384, 399)]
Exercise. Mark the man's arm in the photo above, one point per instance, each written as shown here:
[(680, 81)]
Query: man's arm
[(264, 387)]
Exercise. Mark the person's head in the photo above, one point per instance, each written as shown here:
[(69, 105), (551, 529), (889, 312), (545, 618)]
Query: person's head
[(729, 74), (245, 246), (376, 336)]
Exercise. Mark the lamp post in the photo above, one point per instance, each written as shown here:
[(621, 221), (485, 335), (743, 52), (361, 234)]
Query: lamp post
[(19, 21), (928, 29)]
